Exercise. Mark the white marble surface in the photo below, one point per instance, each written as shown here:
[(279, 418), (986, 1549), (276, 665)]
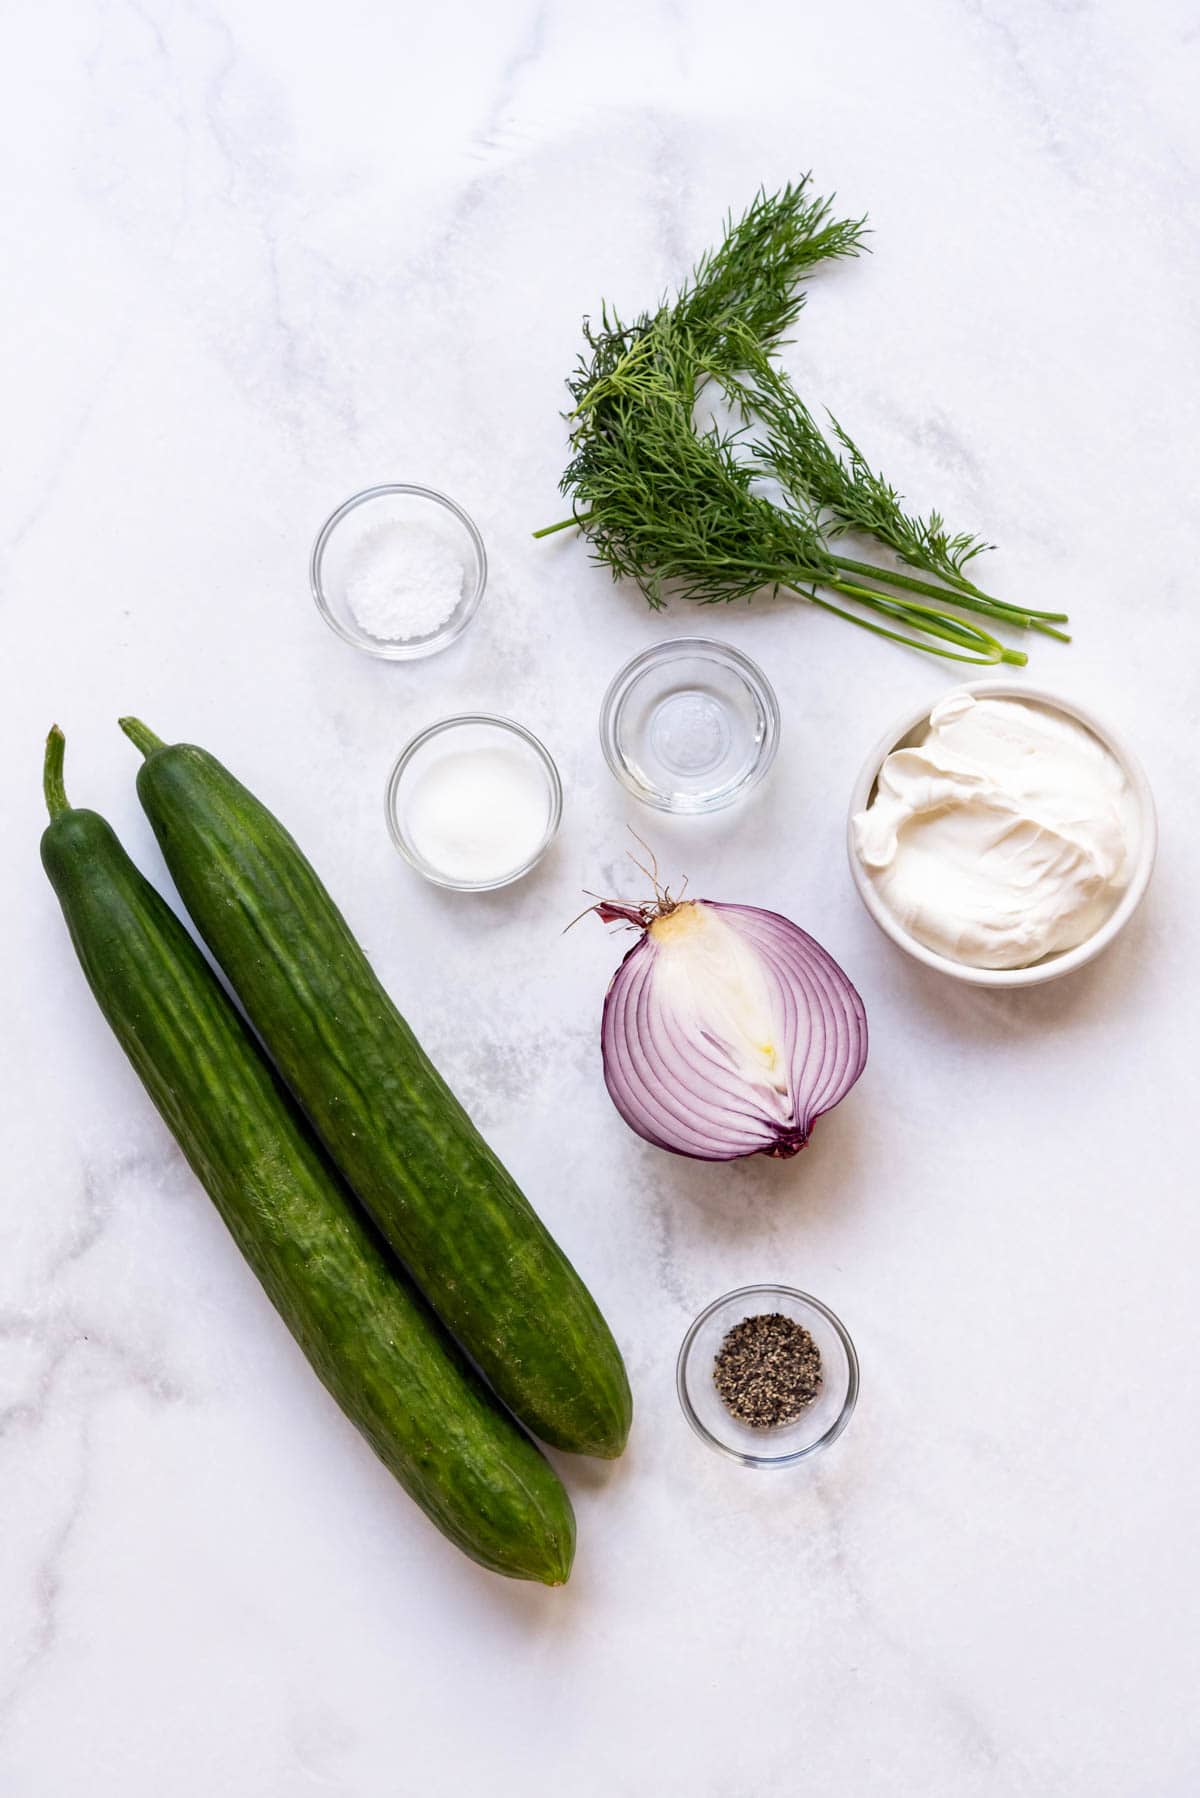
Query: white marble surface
[(260, 255)]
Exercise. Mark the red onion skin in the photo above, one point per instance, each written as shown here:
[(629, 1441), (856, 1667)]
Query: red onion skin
[(654, 1111)]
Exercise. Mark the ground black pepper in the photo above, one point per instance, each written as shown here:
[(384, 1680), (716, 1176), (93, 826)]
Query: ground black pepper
[(767, 1370)]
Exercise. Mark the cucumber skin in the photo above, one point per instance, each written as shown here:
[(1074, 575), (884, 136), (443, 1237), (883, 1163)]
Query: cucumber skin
[(438, 1194), (370, 1339)]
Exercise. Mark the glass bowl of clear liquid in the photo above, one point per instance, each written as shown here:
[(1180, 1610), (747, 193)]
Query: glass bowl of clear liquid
[(690, 725)]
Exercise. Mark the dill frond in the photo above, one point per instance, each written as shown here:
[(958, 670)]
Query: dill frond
[(681, 507)]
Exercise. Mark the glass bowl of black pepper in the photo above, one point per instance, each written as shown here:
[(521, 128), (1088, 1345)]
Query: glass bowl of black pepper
[(768, 1376)]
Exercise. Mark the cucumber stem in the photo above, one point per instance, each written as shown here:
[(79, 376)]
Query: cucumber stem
[(140, 735), (52, 774)]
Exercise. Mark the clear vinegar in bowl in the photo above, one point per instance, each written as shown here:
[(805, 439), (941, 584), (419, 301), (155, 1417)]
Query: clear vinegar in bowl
[(690, 725)]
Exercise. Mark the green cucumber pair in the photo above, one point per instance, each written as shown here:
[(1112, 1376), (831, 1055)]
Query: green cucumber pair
[(438, 1197)]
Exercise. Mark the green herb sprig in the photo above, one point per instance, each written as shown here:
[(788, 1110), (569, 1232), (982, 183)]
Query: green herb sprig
[(673, 504)]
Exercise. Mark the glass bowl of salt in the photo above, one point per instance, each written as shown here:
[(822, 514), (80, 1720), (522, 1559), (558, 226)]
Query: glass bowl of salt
[(398, 571), (474, 802)]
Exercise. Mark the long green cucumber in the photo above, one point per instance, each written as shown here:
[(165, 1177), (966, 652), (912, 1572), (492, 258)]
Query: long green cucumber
[(467, 1234), (369, 1337)]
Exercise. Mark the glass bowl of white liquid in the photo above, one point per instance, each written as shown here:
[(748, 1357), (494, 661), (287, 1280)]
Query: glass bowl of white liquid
[(690, 725), (474, 802)]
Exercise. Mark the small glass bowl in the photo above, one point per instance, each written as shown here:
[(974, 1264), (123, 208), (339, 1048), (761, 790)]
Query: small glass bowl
[(343, 537), (818, 1424), (689, 725), (466, 732)]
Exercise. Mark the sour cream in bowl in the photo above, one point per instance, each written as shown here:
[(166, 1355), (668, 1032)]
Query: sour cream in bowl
[(1003, 836)]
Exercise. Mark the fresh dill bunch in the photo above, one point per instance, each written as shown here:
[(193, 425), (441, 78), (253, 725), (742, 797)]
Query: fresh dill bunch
[(672, 504)]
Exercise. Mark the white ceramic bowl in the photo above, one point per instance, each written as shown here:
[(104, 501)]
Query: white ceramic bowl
[(1052, 966)]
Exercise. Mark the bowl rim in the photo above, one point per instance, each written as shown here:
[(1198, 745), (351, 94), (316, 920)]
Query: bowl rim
[(455, 720), (1054, 966), (666, 649), (380, 647), (852, 1376)]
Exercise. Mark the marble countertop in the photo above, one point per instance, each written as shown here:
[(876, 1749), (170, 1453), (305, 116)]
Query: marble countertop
[(261, 256)]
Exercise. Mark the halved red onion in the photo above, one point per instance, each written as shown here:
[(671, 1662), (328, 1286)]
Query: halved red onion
[(727, 1030)]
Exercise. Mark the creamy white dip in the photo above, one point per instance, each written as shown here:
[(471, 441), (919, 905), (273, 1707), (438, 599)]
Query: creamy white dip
[(1006, 834)]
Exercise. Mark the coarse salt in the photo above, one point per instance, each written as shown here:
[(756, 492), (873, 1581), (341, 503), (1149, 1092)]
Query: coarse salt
[(404, 581)]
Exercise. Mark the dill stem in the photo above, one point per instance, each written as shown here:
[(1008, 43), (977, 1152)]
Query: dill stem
[(933, 649), (971, 598), (918, 617), (935, 624), (967, 594)]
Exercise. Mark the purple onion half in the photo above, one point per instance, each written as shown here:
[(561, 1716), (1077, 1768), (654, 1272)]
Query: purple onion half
[(727, 1030)]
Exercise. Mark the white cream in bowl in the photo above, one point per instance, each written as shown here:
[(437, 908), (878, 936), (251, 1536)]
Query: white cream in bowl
[(1002, 832)]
